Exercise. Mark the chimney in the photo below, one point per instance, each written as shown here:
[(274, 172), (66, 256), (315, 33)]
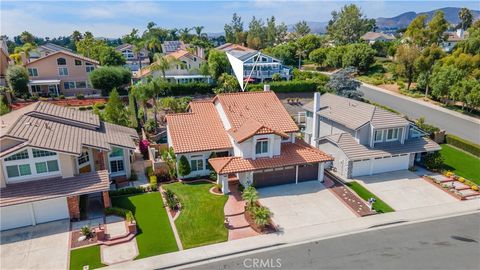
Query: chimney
[(460, 33), (266, 87), (315, 124), (200, 52), (24, 58)]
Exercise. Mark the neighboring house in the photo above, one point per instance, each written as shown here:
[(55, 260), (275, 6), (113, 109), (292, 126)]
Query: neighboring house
[(51, 155), (135, 61), (372, 37), (4, 62), (257, 66), (173, 46), (252, 136), (61, 72), (453, 38), (363, 138), (187, 70), (46, 49)]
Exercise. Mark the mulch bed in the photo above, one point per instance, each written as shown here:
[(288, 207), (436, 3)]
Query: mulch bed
[(63, 102), (446, 190), (269, 228), (87, 242)]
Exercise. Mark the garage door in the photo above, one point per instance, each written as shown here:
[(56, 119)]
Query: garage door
[(307, 172), (15, 216), (360, 167), (279, 176), (390, 164), (50, 210)]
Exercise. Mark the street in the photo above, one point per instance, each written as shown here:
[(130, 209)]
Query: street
[(451, 243), (452, 124)]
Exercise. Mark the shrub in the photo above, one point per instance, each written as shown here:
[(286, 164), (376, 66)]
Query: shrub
[(261, 215), (153, 187), (213, 176), (86, 231), (127, 214), (250, 196), (89, 107), (17, 78), (463, 144), (108, 78), (133, 176), (99, 106), (184, 166), (127, 191), (172, 200), (288, 86), (190, 88), (61, 97), (430, 129), (448, 174), (150, 126), (434, 161), (461, 179), (42, 98), (153, 179), (475, 188), (80, 96), (144, 148), (83, 108), (34, 98)]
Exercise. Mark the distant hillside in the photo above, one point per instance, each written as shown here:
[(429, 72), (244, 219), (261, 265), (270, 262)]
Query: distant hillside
[(404, 19), (315, 27)]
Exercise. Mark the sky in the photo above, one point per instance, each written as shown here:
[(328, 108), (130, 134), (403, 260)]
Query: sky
[(115, 18)]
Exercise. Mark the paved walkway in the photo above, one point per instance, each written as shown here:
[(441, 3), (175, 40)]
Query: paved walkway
[(115, 226), (123, 252), (238, 226), (355, 203)]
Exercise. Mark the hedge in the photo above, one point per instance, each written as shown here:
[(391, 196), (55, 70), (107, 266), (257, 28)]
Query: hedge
[(190, 89), (463, 144), (287, 86), (127, 191), (127, 214)]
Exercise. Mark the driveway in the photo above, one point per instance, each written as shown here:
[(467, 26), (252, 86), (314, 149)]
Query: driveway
[(303, 204), (404, 190), (44, 246)]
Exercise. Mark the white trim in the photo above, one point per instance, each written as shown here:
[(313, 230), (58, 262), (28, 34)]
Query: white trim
[(30, 161), (375, 133)]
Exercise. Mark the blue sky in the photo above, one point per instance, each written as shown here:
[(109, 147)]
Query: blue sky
[(116, 18)]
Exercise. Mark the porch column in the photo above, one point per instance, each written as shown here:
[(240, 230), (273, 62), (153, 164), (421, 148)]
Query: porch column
[(296, 174), (321, 168), (106, 199), (224, 182), (74, 207), (30, 88), (56, 89)]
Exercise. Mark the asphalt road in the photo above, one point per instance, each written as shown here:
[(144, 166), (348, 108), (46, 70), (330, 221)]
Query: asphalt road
[(451, 243), (452, 124)]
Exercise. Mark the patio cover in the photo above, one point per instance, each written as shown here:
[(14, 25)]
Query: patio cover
[(43, 82)]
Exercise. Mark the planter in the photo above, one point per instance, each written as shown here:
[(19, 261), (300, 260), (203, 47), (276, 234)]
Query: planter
[(100, 233), (269, 228), (132, 227)]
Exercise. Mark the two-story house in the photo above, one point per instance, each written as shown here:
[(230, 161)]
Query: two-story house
[(186, 70), (51, 155), (252, 136), (363, 138), (61, 72), (134, 60), (256, 66)]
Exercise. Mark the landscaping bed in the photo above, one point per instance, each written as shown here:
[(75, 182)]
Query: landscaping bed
[(379, 206), (269, 228), (461, 163), (75, 235), (85, 256)]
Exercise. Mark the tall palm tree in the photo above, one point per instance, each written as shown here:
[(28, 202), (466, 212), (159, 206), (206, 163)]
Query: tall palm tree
[(138, 46), (172, 34), (163, 63), (198, 31), (185, 34), (26, 48), (153, 44)]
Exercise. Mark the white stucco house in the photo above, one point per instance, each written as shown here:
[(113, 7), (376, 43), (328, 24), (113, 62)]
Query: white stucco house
[(363, 139)]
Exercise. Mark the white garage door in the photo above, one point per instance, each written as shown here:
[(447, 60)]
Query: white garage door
[(390, 164), (50, 210), (361, 167), (20, 215), (15, 216)]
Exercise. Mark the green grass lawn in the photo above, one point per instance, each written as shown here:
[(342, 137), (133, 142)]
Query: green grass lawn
[(379, 206), (461, 163), (155, 236), (85, 256), (201, 218)]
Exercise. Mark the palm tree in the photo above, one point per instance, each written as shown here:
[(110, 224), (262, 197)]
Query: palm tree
[(261, 215), (153, 44), (138, 46), (164, 63), (142, 93), (185, 34), (26, 48), (250, 195), (172, 34), (198, 31)]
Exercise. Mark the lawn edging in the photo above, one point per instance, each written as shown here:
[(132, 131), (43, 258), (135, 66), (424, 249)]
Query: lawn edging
[(172, 219)]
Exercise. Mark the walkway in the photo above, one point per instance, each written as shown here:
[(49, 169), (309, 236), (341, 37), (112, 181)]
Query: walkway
[(138, 167), (238, 226), (125, 250)]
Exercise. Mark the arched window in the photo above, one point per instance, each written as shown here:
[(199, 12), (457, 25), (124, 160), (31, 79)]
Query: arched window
[(61, 61)]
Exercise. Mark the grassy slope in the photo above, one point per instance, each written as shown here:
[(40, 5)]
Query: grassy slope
[(461, 163), (380, 206), (85, 256), (155, 234), (201, 218)]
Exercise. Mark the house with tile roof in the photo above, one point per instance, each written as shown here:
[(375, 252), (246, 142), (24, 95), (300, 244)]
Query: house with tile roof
[(61, 73), (453, 38), (247, 137), (364, 139), (372, 37), (134, 60), (51, 155)]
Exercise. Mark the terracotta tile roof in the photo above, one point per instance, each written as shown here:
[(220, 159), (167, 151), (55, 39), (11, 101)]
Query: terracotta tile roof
[(67, 53), (178, 54), (263, 107), (230, 46), (51, 188), (291, 154), (198, 130), (250, 128)]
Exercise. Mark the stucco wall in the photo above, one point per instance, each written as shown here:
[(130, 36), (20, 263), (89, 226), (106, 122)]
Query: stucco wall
[(2, 177), (363, 134), (328, 127), (67, 165), (340, 162)]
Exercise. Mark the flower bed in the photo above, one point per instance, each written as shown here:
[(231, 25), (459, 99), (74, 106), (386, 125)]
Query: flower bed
[(75, 243), (270, 227), (458, 187)]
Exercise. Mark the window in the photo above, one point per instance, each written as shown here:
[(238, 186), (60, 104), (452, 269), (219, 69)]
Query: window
[(61, 61), (84, 158), (81, 84), (261, 147), (42, 153), (47, 166), (89, 67), (116, 166), (18, 170), (392, 134), (196, 163), (36, 88), (68, 85), (78, 62), (378, 136), (63, 71), (32, 72), (18, 156)]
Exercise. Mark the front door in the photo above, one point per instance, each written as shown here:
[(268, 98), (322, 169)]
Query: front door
[(52, 89)]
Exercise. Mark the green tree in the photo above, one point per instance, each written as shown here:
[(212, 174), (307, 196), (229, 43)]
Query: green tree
[(334, 57), (285, 52), (437, 27), (425, 63), (466, 18), (348, 25), (301, 29), (359, 55), (226, 84), (17, 78), (107, 78), (472, 98), (234, 31), (343, 84), (4, 109), (132, 114), (218, 63), (443, 78), (406, 57), (90, 47), (276, 77), (163, 63), (183, 166), (115, 110), (27, 37), (256, 34), (309, 43), (417, 32), (471, 44), (250, 196), (319, 56), (110, 57), (25, 48)]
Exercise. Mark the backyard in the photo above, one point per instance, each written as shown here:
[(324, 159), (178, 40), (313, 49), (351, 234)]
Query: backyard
[(202, 216), (379, 206), (461, 163)]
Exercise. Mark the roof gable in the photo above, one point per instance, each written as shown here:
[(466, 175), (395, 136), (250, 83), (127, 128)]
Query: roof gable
[(65, 53)]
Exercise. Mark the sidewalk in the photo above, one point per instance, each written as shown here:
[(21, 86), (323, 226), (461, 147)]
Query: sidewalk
[(298, 235)]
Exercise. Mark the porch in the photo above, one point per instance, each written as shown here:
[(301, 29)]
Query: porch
[(44, 87)]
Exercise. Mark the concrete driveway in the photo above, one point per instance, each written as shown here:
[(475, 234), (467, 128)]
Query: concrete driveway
[(44, 246), (303, 204), (404, 190)]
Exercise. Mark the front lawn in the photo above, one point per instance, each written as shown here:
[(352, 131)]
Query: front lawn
[(85, 256), (201, 217), (461, 163), (155, 236), (379, 206)]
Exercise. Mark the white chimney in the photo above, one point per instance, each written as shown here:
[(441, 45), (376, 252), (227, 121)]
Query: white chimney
[(315, 123), (266, 87), (460, 33)]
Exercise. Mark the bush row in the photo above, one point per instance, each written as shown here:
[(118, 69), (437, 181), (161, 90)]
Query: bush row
[(127, 191), (288, 86), (463, 144), (127, 214)]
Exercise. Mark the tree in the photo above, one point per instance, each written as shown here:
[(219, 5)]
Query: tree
[(416, 31), (107, 78), (132, 111), (115, 110), (425, 63), (168, 156), (163, 63), (183, 166), (198, 31), (261, 215), (437, 27), (466, 18), (25, 48), (348, 25), (443, 78), (90, 47), (4, 109), (359, 55), (334, 57), (234, 31), (471, 44), (406, 56), (227, 84), (285, 52), (256, 34), (473, 97), (27, 37), (343, 84), (309, 43), (110, 57), (319, 56), (276, 77), (301, 29), (176, 105), (218, 63), (433, 161), (17, 78)]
